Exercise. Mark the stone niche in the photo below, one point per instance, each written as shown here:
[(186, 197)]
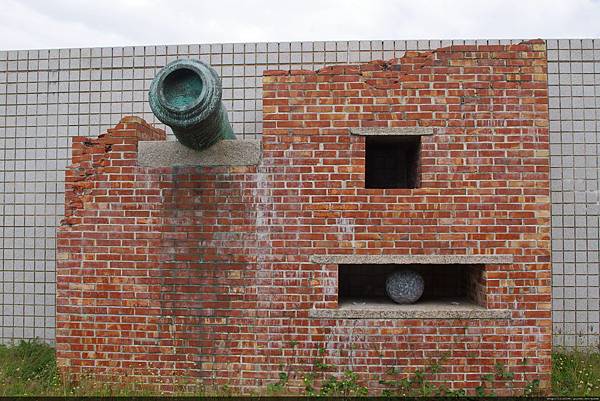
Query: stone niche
[(450, 284), (451, 289)]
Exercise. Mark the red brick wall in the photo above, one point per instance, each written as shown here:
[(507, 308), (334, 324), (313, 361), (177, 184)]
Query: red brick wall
[(204, 273)]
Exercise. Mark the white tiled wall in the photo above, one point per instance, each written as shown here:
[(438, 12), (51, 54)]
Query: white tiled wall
[(574, 89), (47, 96)]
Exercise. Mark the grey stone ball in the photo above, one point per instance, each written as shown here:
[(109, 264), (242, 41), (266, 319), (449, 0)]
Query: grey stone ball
[(404, 286)]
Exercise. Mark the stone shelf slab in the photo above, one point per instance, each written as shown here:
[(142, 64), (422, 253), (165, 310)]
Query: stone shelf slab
[(386, 309), (228, 152), (411, 259)]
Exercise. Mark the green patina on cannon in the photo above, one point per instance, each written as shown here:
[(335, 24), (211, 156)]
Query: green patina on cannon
[(186, 96)]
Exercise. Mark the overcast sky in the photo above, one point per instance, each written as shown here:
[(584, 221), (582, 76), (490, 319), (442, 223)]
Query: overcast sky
[(32, 24)]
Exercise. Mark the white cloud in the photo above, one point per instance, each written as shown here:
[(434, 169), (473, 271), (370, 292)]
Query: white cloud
[(78, 23)]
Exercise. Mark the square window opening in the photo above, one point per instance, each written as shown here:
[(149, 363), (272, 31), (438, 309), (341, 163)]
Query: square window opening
[(392, 161)]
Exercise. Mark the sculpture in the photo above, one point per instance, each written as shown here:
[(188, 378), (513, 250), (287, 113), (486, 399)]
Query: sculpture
[(404, 286), (186, 96)]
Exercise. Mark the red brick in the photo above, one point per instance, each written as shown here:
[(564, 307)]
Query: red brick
[(165, 273)]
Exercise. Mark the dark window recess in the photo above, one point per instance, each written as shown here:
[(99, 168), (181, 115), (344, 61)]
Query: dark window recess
[(366, 283), (392, 162)]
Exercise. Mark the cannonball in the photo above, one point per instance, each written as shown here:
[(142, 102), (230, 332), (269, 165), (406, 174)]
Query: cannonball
[(404, 286)]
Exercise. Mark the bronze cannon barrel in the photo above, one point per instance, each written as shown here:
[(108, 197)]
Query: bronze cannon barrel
[(186, 96)]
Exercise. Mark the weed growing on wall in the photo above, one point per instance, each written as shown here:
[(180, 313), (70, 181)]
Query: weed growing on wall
[(29, 368)]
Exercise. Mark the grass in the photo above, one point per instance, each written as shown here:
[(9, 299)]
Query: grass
[(29, 368), (576, 374)]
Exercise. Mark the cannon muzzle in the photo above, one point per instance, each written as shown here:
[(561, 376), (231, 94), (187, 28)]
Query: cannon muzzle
[(186, 96)]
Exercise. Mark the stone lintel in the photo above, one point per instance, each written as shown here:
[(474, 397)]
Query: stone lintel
[(411, 259), (228, 152), (395, 131)]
